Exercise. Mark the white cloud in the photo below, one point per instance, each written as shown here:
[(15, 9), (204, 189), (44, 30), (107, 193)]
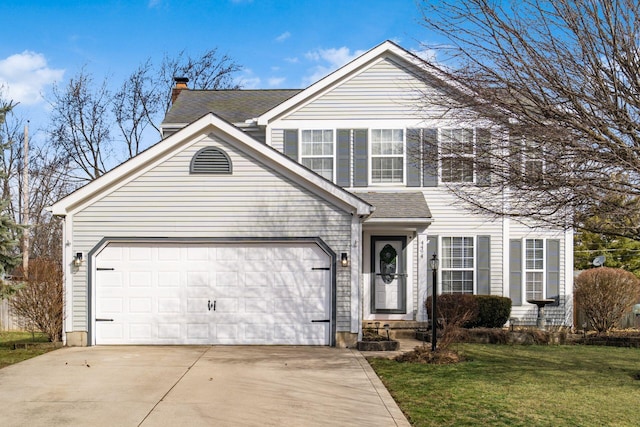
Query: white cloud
[(248, 80), (25, 76), (330, 60), (275, 81), (282, 37), (427, 54), (293, 60)]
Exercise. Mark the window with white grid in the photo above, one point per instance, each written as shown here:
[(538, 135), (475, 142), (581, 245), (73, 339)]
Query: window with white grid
[(387, 156), (457, 153), (534, 268), (317, 151), (457, 265)]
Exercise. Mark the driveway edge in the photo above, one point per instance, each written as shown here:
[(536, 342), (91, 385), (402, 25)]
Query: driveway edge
[(391, 405)]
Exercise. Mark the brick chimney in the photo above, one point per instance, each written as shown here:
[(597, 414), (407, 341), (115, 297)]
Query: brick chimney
[(181, 84)]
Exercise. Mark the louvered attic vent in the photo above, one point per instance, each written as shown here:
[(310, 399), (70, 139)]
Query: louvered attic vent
[(211, 160)]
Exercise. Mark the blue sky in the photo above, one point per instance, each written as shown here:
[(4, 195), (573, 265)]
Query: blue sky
[(279, 43)]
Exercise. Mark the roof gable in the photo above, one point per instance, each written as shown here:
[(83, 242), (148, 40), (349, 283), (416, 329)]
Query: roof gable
[(388, 52), (168, 147)]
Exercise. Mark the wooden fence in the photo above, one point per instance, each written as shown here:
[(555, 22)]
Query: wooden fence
[(8, 322)]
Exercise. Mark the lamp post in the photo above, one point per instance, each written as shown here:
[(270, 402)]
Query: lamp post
[(434, 321)]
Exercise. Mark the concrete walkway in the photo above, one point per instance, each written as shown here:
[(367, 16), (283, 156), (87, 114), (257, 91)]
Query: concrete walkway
[(196, 386)]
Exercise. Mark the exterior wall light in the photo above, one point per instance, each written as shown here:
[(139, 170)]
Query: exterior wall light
[(77, 260), (344, 259)]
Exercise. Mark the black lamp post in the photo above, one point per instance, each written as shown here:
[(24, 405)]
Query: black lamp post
[(434, 321)]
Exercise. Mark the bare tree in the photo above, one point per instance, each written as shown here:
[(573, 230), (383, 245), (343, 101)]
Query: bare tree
[(81, 124), (96, 128), (563, 77), (209, 71), (135, 107)]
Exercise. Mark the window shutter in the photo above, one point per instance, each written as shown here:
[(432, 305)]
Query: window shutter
[(291, 143), (553, 270), (484, 265), (343, 161), (210, 160), (515, 157), (413, 158), (430, 162), (360, 158), (432, 248), (515, 271), (483, 157)]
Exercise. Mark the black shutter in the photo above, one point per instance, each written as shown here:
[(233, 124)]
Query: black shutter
[(343, 161), (291, 143), (413, 157), (360, 158), (484, 265), (553, 270), (515, 271), (483, 157), (430, 161)]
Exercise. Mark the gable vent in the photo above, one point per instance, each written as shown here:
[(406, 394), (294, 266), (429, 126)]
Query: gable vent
[(211, 160)]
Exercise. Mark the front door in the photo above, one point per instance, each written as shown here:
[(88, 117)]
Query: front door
[(388, 274)]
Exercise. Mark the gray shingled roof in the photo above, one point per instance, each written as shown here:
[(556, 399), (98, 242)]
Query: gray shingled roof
[(407, 205), (234, 106)]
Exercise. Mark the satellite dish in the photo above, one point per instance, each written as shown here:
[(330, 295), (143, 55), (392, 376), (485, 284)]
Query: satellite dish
[(598, 261)]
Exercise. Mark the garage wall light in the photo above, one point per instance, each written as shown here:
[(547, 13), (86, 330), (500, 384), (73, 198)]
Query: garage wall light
[(344, 259), (77, 260)]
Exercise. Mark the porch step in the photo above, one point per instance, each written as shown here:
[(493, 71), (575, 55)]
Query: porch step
[(397, 328)]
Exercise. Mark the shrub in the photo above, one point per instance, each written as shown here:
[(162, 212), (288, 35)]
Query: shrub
[(454, 311), (605, 295), (39, 303), (493, 311)]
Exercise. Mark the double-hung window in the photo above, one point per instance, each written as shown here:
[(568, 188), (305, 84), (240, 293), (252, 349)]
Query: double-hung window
[(533, 162), (457, 153), (317, 151), (457, 265), (534, 268), (387, 156)]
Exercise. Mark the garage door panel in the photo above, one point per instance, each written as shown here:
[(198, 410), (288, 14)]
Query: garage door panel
[(169, 305), (165, 294), (169, 279), (140, 305), (170, 331), (198, 331), (198, 279)]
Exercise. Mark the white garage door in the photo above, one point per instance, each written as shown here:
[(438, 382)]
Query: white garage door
[(267, 293)]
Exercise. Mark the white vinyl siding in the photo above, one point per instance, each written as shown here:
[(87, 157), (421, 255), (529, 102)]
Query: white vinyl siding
[(317, 151), (256, 202), (387, 156), (386, 89), (458, 263)]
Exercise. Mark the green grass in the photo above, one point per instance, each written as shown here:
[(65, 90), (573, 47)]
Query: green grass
[(501, 385), (9, 340)]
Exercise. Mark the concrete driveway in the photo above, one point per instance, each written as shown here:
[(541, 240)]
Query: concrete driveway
[(196, 386)]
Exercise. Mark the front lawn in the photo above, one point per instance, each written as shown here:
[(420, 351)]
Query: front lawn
[(18, 346), (504, 385)]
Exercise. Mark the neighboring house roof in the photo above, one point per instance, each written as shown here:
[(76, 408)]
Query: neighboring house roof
[(397, 207), (171, 145), (234, 106)]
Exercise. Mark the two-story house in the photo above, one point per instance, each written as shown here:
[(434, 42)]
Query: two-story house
[(298, 216)]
